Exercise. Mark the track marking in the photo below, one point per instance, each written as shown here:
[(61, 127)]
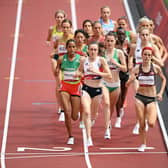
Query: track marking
[(20, 35), (124, 148), (8, 78), (43, 103), (59, 149), (73, 13), (87, 159), (74, 23), (47, 155), (11, 81), (37, 81)]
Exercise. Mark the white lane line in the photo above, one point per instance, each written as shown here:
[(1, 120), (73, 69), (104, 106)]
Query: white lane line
[(74, 23), (45, 155), (59, 149), (11, 81), (38, 81), (43, 103), (73, 13), (164, 132), (127, 9), (87, 159), (125, 148)]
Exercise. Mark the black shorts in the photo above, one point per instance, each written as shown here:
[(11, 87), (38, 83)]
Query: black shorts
[(55, 56), (92, 91), (145, 99), (123, 76)]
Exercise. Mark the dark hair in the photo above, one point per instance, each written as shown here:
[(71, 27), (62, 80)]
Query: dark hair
[(85, 21), (119, 29), (93, 42), (112, 33), (122, 18), (67, 21), (69, 41), (81, 31)]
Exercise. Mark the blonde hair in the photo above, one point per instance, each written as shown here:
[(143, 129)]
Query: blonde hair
[(60, 11), (142, 20)]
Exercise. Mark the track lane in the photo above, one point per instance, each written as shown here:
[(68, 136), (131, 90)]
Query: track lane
[(7, 28), (34, 125)]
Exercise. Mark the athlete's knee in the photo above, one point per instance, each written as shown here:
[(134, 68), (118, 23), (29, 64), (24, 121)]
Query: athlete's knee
[(75, 116), (151, 124), (86, 114)]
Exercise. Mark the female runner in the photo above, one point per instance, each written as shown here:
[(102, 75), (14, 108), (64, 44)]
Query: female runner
[(146, 95), (70, 86), (92, 86)]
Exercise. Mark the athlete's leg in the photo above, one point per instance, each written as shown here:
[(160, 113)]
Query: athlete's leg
[(66, 101), (140, 112), (106, 106), (151, 114), (75, 101), (86, 106)]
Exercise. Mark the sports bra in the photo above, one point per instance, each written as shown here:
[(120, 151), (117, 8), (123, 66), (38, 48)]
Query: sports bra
[(146, 78), (96, 65)]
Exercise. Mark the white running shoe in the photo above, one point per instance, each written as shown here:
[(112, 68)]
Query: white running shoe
[(121, 112), (81, 125), (89, 142), (118, 123), (70, 141), (136, 129), (62, 117), (59, 110), (92, 123), (107, 134), (142, 148)]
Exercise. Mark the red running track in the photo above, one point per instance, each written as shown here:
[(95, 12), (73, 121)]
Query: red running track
[(33, 121)]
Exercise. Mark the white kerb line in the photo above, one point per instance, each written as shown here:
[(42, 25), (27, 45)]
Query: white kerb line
[(11, 81), (73, 13), (127, 9)]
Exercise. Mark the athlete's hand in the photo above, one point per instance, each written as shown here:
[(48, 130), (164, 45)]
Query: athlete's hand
[(159, 97), (48, 43)]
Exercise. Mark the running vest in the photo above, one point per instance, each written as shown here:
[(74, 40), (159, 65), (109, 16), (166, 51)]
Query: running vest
[(69, 69), (96, 65), (128, 36), (107, 27), (61, 49), (56, 34), (138, 52), (112, 66), (146, 78)]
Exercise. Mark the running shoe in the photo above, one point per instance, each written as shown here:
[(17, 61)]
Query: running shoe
[(118, 123), (70, 141), (107, 134), (142, 148), (89, 142), (121, 112), (92, 123), (59, 110), (62, 116), (81, 125), (136, 129)]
